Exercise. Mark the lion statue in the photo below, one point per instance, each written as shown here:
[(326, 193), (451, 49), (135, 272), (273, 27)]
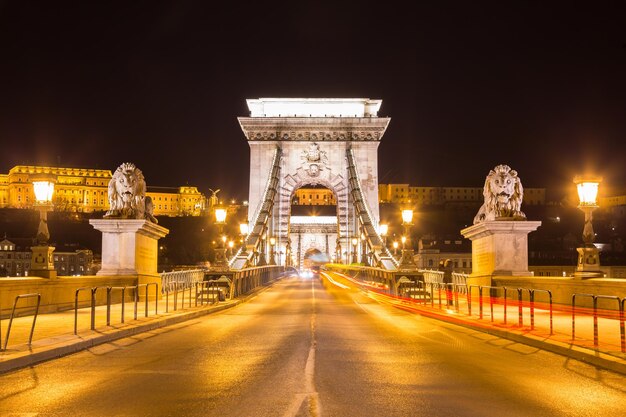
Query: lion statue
[(503, 194), (127, 195)]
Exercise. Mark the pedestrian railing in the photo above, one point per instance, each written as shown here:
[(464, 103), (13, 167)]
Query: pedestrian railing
[(181, 279), (459, 278), (432, 275), (123, 290), (32, 329), (620, 308), (528, 303)]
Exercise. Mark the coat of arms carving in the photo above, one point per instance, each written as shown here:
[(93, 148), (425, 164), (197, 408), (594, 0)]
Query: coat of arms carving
[(314, 160)]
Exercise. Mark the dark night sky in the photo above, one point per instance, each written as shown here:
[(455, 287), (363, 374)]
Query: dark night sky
[(468, 85)]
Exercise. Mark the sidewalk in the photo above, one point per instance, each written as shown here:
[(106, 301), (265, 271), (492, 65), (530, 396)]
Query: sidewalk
[(54, 333), (534, 331)]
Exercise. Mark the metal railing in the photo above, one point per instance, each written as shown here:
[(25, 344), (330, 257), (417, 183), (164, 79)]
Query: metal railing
[(185, 278), (431, 275), (109, 289), (32, 329), (595, 298)]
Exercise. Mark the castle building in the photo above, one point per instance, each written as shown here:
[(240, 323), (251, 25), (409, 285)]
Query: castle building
[(86, 190), (314, 197), (425, 196)]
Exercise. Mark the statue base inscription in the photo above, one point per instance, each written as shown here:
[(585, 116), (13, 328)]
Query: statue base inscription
[(499, 247), (129, 247)]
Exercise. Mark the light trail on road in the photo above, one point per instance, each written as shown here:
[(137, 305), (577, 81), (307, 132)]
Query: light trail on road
[(313, 348)]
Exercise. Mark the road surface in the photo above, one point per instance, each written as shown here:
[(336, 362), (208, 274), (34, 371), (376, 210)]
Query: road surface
[(303, 348)]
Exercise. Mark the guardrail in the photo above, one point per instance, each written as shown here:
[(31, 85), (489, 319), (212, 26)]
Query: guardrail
[(185, 278), (109, 289), (32, 329), (595, 298)]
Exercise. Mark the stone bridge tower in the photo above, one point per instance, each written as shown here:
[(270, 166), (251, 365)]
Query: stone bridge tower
[(299, 142)]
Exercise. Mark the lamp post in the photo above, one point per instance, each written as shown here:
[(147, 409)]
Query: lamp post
[(220, 221), (42, 262), (383, 229), (407, 254), (338, 256), (395, 247), (272, 252), (243, 229), (588, 255), (262, 261), (364, 250), (354, 242), (231, 245), (288, 253)]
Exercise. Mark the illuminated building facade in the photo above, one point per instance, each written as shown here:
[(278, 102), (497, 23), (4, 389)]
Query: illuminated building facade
[(86, 190), (15, 258), (424, 196), (314, 197)]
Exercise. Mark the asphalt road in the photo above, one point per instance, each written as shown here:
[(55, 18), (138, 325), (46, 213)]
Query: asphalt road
[(302, 348)]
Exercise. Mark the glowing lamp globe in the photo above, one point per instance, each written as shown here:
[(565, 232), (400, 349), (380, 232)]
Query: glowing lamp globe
[(383, 229), (587, 190), (243, 228), (43, 191), (354, 241), (220, 215), (407, 216), (272, 241)]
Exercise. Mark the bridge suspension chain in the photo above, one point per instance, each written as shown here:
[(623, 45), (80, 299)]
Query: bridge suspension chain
[(373, 238), (263, 214)]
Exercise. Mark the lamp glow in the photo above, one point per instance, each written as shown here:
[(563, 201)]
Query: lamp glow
[(587, 190), (220, 215), (407, 216), (272, 240), (43, 191), (383, 229), (243, 228)]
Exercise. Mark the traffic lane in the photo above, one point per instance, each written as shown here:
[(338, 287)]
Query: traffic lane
[(247, 360), (377, 360)]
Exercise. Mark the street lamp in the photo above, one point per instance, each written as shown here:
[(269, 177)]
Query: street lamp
[(363, 250), (354, 242), (262, 261), (338, 256), (383, 229), (42, 263), (407, 254), (272, 253), (588, 255), (220, 221), (231, 245), (395, 247), (243, 228)]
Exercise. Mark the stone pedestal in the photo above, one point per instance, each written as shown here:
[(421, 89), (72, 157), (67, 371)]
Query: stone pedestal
[(588, 263), (42, 262), (129, 247), (499, 247)]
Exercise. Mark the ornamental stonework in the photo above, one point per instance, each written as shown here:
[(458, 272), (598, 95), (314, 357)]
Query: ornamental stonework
[(308, 136)]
